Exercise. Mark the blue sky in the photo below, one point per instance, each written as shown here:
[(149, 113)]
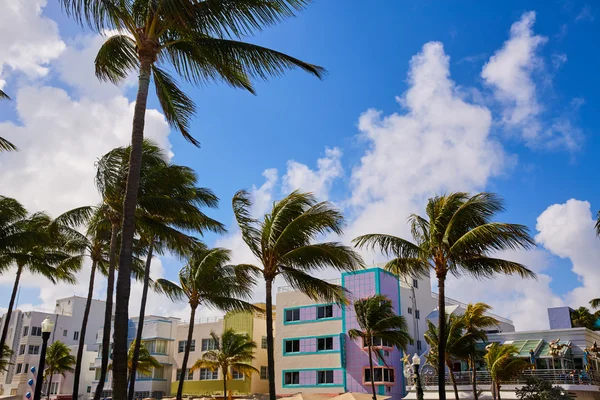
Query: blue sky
[(367, 52)]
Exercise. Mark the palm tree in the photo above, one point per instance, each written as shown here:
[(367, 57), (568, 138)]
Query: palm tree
[(176, 207), (457, 237), (378, 320), (58, 361), (233, 352), (207, 279), (476, 322), (460, 344), (5, 360), (145, 361), (284, 244), (598, 223), (503, 365), (583, 318), (197, 39), (595, 303), (37, 245)]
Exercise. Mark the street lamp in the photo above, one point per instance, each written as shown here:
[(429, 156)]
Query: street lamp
[(416, 361), (47, 326)]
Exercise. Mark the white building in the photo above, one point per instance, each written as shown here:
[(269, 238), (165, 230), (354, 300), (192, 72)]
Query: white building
[(25, 339)]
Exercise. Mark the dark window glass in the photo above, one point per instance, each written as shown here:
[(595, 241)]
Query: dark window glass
[(324, 312), (324, 377)]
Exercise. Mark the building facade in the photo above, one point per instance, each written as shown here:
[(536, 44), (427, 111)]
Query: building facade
[(25, 339), (313, 351), (205, 382)]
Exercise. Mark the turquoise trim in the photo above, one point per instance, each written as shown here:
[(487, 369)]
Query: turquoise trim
[(158, 338), (315, 385), (308, 306), (381, 390), (158, 320), (159, 354), (150, 379), (304, 353), (310, 321), (343, 342), (378, 282), (309, 353)]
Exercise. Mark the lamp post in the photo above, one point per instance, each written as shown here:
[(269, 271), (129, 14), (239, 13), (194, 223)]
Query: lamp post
[(416, 361), (47, 326)]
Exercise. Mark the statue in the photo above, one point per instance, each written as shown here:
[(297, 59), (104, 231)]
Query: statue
[(532, 358), (556, 347)]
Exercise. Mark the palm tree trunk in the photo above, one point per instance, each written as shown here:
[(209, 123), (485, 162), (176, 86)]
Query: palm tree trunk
[(270, 341), (11, 304), (138, 337), (372, 371), (493, 390), (186, 354), (110, 286), (498, 390), (86, 313), (453, 379), (474, 380), (224, 385), (442, 337), (49, 385), (128, 228)]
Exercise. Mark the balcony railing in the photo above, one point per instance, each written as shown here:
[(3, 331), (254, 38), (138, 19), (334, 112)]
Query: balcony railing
[(557, 377), (206, 320)]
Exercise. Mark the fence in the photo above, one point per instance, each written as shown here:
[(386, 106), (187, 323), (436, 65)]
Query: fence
[(555, 376)]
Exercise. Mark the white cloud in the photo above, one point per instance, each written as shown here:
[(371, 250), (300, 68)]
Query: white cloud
[(558, 59), (567, 230), (300, 176), (510, 70), (585, 14), (28, 40)]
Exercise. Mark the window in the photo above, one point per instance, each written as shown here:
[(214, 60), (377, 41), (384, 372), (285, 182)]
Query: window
[(160, 346), (19, 368), (75, 335), (410, 310), (379, 342), (182, 344), (25, 368), (208, 375), (144, 375), (411, 341), (89, 389), (236, 375), (381, 374), (417, 314), (208, 344), (264, 373), (26, 331), (97, 378), (292, 346), (324, 312), (324, 377), (292, 315), (325, 344), (415, 283), (33, 349), (21, 349), (419, 345), (65, 332), (291, 378), (263, 342), (36, 331)]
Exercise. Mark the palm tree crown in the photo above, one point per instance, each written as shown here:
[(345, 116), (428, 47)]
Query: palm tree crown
[(503, 365), (284, 244), (59, 360), (233, 352), (5, 145), (377, 320), (458, 237)]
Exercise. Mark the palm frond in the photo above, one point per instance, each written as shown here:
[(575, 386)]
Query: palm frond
[(595, 303), (116, 59), (4, 96), (486, 267), (315, 257), (99, 15), (315, 288), (5, 145), (493, 236), (248, 226), (177, 106), (169, 289), (390, 246)]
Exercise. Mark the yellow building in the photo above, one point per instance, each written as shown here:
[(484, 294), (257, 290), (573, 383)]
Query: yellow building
[(205, 382)]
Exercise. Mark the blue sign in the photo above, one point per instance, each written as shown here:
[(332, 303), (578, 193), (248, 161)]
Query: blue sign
[(30, 382), (32, 370), (28, 395)]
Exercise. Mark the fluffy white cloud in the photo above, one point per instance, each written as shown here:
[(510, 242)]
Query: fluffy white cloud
[(439, 142), (510, 71), (567, 230), (300, 176), (28, 40)]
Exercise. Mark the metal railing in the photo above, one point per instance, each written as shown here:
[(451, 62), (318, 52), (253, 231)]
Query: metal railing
[(284, 289), (555, 376), (205, 320), (464, 305)]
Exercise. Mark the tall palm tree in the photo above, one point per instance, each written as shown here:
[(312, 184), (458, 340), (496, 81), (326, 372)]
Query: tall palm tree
[(59, 360), (460, 344), (176, 208), (284, 243), (476, 322), (377, 319), (37, 245), (503, 365), (198, 40), (233, 352), (208, 280), (458, 237)]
